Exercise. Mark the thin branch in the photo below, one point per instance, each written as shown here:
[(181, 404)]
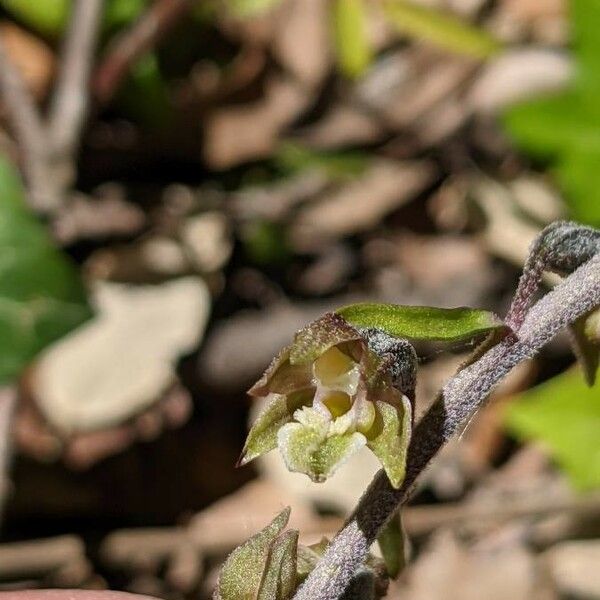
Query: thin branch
[(133, 43), (70, 102), (8, 401), (460, 398), (29, 131)]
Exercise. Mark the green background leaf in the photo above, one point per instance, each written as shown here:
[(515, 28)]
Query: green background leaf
[(352, 47), (443, 30), (564, 415), (422, 322), (564, 128), (41, 295)]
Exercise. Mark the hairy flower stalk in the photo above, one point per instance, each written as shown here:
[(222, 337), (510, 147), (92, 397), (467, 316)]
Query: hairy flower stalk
[(465, 393)]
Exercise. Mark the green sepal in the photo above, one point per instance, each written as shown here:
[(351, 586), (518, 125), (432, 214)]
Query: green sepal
[(389, 438), (279, 411)]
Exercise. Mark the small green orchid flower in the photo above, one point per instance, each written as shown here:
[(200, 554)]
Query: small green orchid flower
[(334, 390)]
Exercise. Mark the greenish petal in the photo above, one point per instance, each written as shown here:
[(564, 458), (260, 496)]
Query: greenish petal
[(242, 573), (307, 448), (422, 322), (390, 437), (263, 434), (279, 577)]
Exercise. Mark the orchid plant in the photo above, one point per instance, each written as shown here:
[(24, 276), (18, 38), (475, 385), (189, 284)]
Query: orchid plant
[(348, 380)]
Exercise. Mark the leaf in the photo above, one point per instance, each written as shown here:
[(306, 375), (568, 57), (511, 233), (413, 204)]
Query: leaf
[(294, 158), (145, 95), (564, 128), (422, 322), (279, 578), (307, 448), (250, 8), (242, 572), (564, 415), (443, 30), (46, 16), (41, 295), (353, 50), (50, 17), (393, 545), (263, 434), (390, 443)]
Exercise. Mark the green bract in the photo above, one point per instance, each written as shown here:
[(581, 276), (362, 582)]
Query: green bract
[(326, 396), (262, 568), (585, 337), (422, 322)]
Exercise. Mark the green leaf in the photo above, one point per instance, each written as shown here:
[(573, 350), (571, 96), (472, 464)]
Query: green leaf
[(46, 16), (389, 442), (443, 30), (564, 415), (145, 95), (50, 17), (393, 545), (307, 448), (352, 47), (242, 572), (263, 434), (279, 577), (422, 322), (250, 8), (564, 128), (342, 164), (41, 295)]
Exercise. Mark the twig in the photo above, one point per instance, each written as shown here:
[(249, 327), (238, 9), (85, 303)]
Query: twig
[(44, 556), (8, 400), (30, 132), (133, 43), (460, 398), (70, 102), (420, 520)]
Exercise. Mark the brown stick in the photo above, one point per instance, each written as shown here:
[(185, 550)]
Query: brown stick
[(133, 43), (8, 401), (29, 131), (70, 102)]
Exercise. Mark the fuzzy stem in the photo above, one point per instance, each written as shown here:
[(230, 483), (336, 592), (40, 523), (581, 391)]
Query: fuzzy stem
[(458, 401)]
